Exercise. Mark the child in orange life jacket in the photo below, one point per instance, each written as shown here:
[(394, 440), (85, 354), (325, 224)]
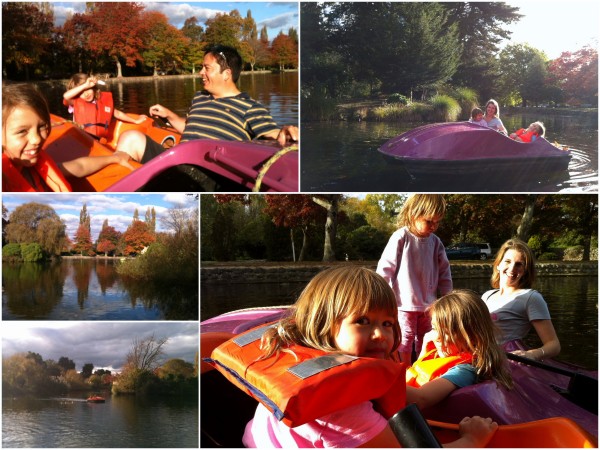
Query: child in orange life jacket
[(415, 265), (93, 109), (351, 310), (460, 350), (535, 130), (25, 127)]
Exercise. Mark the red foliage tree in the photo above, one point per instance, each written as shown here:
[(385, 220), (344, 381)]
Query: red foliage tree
[(137, 237), (577, 75), (284, 51), (83, 241), (117, 30)]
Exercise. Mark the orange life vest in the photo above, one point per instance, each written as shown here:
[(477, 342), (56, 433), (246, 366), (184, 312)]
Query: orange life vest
[(45, 170), (302, 384), (94, 117), (431, 366), (526, 136)]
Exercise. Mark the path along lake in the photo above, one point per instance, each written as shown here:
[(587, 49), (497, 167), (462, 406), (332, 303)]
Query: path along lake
[(278, 92), (343, 156), (121, 422), (89, 289), (572, 301)]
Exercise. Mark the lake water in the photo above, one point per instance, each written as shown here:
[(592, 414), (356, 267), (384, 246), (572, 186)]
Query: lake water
[(278, 92), (343, 156), (89, 289), (572, 302), (121, 422)]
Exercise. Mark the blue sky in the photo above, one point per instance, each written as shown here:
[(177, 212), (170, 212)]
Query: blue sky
[(104, 344), (277, 16), (117, 208), (556, 26)]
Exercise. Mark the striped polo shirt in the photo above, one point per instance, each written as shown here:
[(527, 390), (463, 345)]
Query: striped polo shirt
[(238, 118)]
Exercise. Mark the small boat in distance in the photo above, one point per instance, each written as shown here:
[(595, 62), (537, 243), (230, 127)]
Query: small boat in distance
[(96, 399), (468, 157)]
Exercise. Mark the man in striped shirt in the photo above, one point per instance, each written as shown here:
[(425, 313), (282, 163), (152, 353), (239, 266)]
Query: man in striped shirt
[(221, 111)]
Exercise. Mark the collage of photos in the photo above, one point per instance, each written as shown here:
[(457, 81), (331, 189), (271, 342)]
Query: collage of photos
[(299, 224)]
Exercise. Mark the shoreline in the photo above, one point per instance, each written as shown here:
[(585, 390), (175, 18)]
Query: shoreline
[(240, 272)]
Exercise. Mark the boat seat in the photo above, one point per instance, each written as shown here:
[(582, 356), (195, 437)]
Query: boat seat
[(224, 409)]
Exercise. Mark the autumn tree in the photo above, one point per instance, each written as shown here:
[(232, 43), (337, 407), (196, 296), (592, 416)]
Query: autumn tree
[(331, 203), (73, 36), (137, 237), (165, 44), (117, 30), (39, 223), (108, 239), (176, 368), (294, 210), (284, 51), (576, 74), (22, 49), (82, 242)]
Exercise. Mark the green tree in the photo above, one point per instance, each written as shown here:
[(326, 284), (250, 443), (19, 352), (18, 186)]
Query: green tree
[(523, 70), (224, 29), (32, 252), (36, 222), (177, 368), (87, 370)]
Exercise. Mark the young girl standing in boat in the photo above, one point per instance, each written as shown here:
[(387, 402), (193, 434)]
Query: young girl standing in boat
[(26, 125), (460, 350), (415, 265), (349, 310)]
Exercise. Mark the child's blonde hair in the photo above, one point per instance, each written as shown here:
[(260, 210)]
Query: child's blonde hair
[(328, 298), (421, 205), (24, 95), (528, 279), (80, 78), (541, 129), (463, 321)]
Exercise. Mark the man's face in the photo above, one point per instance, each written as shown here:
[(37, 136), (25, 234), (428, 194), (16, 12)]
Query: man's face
[(214, 80)]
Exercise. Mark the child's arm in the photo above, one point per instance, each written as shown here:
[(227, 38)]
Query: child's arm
[(87, 165), (123, 117), (430, 393), (77, 90)]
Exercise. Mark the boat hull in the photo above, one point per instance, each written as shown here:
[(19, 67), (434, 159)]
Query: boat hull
[(469, 157), (239, 166), (535, 397)]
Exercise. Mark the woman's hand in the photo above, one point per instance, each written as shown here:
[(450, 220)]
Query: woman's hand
[(476, 431), (123, 159)]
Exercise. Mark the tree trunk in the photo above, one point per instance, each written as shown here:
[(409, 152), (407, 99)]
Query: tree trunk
[(527, 219), (331, 204), (119, 71), (304, 243)]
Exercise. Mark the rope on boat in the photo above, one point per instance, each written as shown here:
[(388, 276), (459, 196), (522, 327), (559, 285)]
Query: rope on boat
[(266, 166)]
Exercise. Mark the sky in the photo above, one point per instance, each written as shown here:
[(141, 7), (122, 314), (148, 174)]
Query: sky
[(117, 208), (556, 26), (277, 16), (104, 344)]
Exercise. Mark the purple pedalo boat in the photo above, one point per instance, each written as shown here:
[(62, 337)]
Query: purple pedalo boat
[(542, 390), (470, 157)]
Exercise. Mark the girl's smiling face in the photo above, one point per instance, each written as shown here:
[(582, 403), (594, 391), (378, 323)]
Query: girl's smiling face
[(511, 268), (23, 135), (369, 335)]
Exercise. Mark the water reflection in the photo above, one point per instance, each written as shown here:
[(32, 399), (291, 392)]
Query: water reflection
[(90, 289), (278, 92), (122, 421)]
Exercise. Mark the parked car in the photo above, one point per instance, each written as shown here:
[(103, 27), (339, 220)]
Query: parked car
[(486, 250), (464, 250)]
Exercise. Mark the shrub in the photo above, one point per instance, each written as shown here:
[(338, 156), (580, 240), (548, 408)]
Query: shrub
[(467, 99), (574, 253), (398, 98), (32, 252), (548, 256), (445, 109), (12, 251)]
